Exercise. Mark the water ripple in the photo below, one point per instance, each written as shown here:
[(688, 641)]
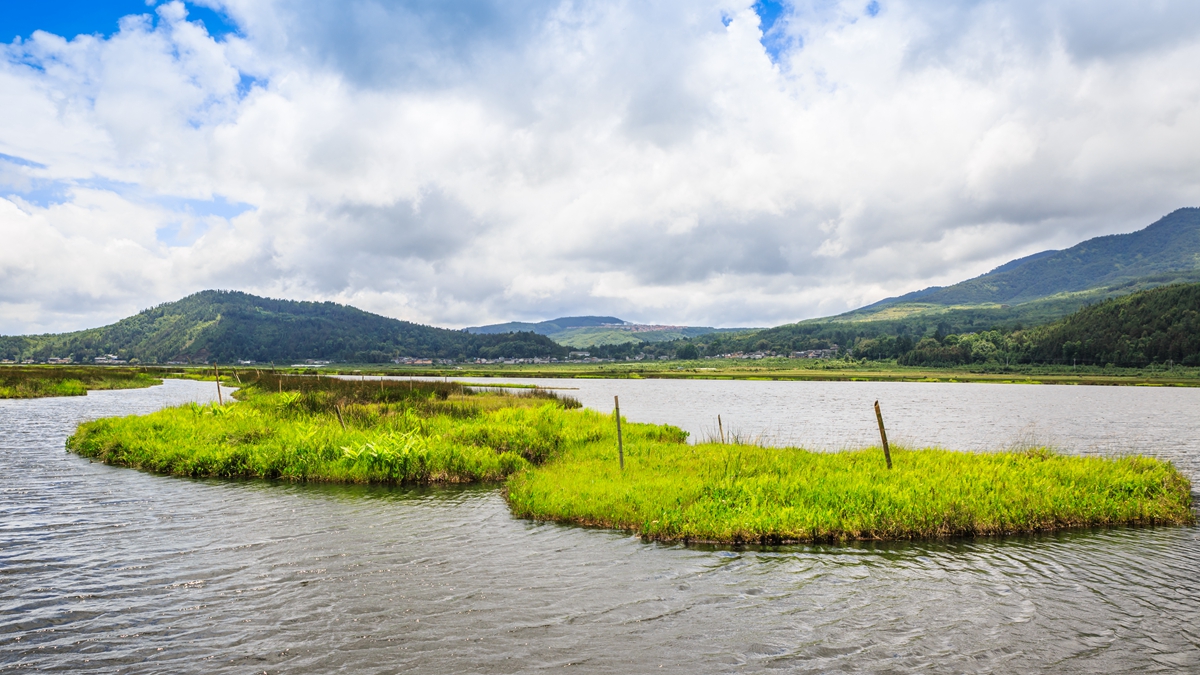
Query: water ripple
[(111, 570)]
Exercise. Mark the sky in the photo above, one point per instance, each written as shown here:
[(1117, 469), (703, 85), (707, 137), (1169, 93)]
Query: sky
[(706, 162)]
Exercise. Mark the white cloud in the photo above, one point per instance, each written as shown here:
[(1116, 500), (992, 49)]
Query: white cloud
[(526, 160)]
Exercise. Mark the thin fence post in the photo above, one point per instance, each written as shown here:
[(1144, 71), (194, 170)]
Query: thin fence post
[(217, 375), (338, 409), (620, 444), (887, 454), (721, 430)]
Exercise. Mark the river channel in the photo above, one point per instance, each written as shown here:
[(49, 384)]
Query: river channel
[(105, 569)]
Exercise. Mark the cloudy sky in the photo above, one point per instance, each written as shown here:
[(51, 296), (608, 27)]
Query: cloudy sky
[(701, 162)]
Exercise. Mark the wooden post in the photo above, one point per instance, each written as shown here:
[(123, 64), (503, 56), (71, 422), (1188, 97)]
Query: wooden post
[(620, 444), (338, 409), (721, 430), (217, 374), (887, 454)]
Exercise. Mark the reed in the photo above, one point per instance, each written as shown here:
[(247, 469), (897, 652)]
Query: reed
[(44, 381)]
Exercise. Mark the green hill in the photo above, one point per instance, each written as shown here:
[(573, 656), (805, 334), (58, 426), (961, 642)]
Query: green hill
[(1030, 291), (226, 326), (1156, 326), (1060, 281)]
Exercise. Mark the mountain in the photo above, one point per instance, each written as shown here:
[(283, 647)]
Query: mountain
[(1034, 290), (546, 328), (1060, 281), (226, 326), (593, 331)]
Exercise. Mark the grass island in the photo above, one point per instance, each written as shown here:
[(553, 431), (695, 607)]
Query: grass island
[(559, 463)]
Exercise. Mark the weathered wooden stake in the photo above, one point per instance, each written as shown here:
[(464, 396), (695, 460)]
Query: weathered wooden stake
[(620, 444), (721, 430), (338, 409), (217, 374), (887, 454)]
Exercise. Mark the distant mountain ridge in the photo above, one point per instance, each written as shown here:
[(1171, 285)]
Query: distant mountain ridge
[(547, 327), (592, 331), (227, 326), (1034, 290), (1168, 248)]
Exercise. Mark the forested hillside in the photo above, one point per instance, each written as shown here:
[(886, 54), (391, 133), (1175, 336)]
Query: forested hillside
[(1155, 326), (1158, 326), (226, 326)]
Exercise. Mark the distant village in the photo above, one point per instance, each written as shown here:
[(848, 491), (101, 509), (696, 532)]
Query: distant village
[(572, 357)]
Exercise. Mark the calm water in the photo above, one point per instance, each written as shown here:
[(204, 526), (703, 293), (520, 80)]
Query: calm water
[(111, 570)]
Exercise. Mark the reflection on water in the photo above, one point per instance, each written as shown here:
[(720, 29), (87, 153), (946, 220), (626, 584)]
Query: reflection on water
[(1157, 421), (109, 569)]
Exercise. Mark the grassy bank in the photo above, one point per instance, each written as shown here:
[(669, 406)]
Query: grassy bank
[(741, 493), (561, 464), (43, 381)]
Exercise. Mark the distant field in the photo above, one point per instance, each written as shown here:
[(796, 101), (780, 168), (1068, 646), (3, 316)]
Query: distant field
[(805, 369)]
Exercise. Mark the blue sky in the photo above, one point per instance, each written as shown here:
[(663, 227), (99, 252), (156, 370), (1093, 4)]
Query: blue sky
[(69, 18), (712, 162)]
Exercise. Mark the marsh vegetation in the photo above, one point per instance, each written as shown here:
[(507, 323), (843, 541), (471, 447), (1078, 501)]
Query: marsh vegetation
[(43, 381), (561, 464)]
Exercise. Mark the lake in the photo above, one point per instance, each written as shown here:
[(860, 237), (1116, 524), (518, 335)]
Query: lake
[(111, 570)]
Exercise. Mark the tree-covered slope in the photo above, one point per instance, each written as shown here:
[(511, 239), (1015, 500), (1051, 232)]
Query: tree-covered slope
[(225, 326), (1156, 326)]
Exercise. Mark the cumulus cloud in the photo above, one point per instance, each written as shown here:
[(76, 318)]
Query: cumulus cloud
[(670, 162)]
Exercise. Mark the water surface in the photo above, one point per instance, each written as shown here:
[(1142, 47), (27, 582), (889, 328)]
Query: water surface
[(105, 569)]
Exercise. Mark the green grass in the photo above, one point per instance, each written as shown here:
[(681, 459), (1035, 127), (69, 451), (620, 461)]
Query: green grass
[(44, 381), (329, 430), (561, 464), (751, 494)]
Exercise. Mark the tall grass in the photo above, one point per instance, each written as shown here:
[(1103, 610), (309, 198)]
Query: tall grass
[(43, 381), (747, 493), (323, 429)]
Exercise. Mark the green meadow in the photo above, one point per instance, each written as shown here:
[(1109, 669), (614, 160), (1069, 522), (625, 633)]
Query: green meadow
[(43, 381), (560, 463)]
